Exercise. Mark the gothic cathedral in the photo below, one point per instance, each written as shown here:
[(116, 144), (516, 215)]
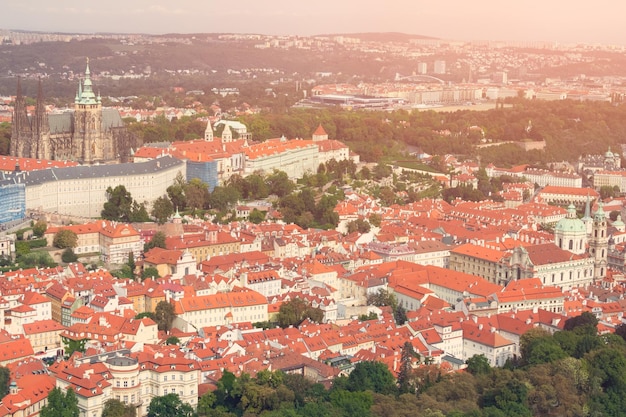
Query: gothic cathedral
[(89, 134)]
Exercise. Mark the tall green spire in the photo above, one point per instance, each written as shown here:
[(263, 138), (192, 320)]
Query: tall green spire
[(85, 93)]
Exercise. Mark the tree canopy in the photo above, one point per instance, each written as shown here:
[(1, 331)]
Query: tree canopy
[(294, 312), (5, 379), (65, 238), (169, 405), (157, 241), (164, 315), (162, 209), (39, 228), (60, 404), (121, 207), (115, 408)]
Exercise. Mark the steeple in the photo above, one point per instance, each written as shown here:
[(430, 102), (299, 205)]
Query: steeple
[(40, 126), (20, 117), (319, 134), (21, 132), (600, 215), (598, 244), (587, 219), (85, 94), (18, 95), (227, 134), (208, 133)]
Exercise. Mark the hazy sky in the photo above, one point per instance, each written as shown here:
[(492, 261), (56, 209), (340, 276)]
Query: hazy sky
[(599, 21)]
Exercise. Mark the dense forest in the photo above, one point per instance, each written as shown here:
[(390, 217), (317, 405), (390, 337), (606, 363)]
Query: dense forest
[(574, 372), (569, 128)]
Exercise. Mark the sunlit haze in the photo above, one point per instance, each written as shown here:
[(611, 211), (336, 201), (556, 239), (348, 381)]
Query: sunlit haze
[(531, 20)]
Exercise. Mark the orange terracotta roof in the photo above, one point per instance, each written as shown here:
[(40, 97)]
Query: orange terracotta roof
[(319, 131), (483, 335), (158, 256), (581, 192), (479, 252), (8, 163), (220, 300), (43, 326)]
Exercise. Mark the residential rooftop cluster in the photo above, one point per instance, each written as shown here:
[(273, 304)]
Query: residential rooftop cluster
[(471, 276)]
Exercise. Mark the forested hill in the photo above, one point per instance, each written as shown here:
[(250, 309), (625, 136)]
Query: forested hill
[(569, 128)]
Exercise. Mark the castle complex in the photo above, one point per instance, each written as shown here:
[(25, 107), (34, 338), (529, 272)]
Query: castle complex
[(89, 134)]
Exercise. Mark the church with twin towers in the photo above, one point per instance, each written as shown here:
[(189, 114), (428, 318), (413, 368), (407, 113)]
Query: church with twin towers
[(87, 134)]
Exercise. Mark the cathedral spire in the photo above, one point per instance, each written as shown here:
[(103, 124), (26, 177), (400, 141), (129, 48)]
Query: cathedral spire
[(20, 114), (85, 94), (18, 95), (40, 125), (21, 128)]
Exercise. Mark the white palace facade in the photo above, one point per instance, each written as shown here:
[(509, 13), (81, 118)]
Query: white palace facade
[(81, 191)]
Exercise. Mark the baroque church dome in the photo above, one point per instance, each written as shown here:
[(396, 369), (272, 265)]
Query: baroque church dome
[(570, 223)]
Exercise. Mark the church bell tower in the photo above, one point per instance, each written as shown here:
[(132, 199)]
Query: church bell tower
[(599, 243)]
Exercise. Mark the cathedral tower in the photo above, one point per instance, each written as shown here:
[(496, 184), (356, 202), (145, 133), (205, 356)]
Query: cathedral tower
[(21, 132), (89, 134), (88, 144)]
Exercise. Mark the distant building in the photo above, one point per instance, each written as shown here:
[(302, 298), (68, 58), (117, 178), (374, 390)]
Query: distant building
[(567, 195), (295, 157), (610, 161), (439, 67), (609, 179), (540, 177), (12, 201), (7, 245), (329, 149)]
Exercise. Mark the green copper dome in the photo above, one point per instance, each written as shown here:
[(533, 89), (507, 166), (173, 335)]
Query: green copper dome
[(570, 223)]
